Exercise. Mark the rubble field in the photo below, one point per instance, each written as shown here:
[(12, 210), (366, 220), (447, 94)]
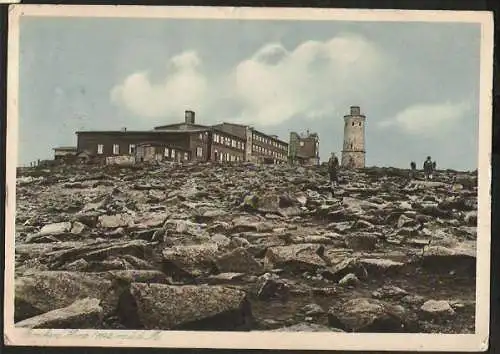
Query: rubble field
[(244, 247)]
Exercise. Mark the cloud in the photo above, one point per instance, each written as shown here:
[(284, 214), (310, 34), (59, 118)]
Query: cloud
[(428, 119), (185, 87), (270, 87)]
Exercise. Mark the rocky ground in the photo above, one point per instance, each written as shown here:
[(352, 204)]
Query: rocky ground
[(244, 247)]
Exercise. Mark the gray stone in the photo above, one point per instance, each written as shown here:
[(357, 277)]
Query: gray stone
[(82, 314)]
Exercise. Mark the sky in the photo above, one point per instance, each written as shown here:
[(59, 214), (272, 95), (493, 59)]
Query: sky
[(417, 83)]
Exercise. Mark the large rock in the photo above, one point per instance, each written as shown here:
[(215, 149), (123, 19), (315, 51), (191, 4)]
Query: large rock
[(296, 258), (40, 292), (186, 307), (55, 229), (459, 257), (98, 251), (361, 241), (238, 261), (190, 261), (369, 315), (84, 313), (437, 310), (114, 221)]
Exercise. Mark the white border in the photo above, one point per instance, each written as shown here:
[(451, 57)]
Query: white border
[(257, 340)]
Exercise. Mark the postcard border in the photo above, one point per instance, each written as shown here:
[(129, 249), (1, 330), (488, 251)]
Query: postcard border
[(257, 340)]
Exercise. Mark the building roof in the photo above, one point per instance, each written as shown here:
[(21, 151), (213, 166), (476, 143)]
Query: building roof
[(65, 148), (184, 125), (163, 131), (275, 137)]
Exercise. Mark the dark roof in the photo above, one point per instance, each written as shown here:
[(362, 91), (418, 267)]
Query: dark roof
[(178, 131), (68, 148)]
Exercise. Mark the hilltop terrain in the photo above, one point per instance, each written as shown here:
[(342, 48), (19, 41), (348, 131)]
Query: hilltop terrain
[(244, 247)]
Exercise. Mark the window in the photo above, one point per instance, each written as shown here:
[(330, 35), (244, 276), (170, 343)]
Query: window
[(172, 153), (242, 146), (221, 156), (166, 153), (100, 149), (215, 138), (116, 149), (353, 124), (131, 149), (301, 143), (233, 143), (186, 156), (200, 136), (199, 152)]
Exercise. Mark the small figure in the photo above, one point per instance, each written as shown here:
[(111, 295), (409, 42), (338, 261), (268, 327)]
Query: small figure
[(413, 170), (333, 165), (428, 168)]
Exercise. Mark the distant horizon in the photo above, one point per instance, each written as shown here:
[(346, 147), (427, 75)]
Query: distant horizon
[(417, 85)]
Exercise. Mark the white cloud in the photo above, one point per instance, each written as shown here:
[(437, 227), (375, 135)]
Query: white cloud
[(185, 88), (311, 80), (427, 119)]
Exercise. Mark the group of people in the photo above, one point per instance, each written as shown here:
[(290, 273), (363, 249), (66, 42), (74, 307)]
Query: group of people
[(429, 167)]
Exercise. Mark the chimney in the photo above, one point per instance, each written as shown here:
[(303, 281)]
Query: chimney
[(355, 111), (189, 117)]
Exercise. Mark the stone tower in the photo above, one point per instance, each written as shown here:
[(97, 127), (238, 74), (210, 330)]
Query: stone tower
[(353, 153)]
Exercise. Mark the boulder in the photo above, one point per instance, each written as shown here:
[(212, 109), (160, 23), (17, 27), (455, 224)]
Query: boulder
[(369, 315), (188, 307), (44, 291), (81, 314), (238, 260)]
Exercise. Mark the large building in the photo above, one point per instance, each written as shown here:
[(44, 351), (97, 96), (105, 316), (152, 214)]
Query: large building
[(304, 148), (260, 147), (353, 153), (186, 141)]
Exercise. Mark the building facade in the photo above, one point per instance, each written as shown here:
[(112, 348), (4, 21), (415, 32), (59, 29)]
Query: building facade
[(260, 147), (304, 149), (353, 152), (186, 141)]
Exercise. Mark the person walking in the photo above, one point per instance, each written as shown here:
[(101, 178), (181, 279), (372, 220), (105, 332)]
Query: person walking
[(429, 168), (333, 166)]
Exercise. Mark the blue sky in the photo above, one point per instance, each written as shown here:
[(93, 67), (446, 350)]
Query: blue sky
[(417, 83)]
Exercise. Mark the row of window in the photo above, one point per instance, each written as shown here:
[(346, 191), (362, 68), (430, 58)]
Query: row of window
[(264, 151), (116, 149), (269, 141), (170, 153), (224, 156), (355, 124), (235, 144)]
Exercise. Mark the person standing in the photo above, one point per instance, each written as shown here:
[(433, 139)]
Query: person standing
[(333, 166), (413, 170), (428, 168)]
